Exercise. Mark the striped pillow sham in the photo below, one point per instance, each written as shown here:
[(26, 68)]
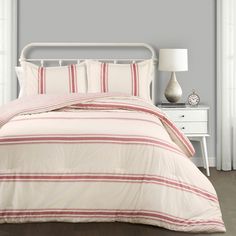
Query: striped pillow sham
[(133, 79), (54, 80)]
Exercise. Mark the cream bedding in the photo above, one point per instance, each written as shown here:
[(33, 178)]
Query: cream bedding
[(100, 158)]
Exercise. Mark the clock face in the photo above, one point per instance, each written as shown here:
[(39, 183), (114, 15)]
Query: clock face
[(193, 99)]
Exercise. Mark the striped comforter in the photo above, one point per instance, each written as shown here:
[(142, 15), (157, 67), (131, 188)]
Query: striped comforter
[(86, 158)]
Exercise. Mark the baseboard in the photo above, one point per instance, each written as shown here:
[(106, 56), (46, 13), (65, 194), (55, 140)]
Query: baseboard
[(199, 162)]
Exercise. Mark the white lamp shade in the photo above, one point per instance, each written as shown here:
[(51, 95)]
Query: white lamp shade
[(173, 60)]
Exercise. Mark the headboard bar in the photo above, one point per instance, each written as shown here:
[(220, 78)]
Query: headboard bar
[(112, 45), (83, 59)]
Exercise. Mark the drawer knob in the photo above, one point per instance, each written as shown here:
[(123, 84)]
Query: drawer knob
[(183, 127), (183, 116)]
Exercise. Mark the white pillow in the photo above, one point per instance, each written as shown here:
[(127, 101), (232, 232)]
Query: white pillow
[(133, 79), (54, 80), (20, 77)]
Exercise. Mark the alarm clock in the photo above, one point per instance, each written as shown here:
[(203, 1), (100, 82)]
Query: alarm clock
[(193, 99)]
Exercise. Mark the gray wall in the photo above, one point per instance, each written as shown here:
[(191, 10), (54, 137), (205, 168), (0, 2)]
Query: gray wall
[(162, 23)]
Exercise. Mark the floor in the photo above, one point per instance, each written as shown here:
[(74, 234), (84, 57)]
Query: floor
[(225, 185)]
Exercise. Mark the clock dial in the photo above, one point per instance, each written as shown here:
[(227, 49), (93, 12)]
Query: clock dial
[(193, 99)]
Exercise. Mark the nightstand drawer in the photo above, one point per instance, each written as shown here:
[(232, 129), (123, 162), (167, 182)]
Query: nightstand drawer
[(186, 115), (192, 127)]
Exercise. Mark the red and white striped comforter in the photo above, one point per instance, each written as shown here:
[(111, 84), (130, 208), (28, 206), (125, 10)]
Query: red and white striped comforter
[(82, 158)]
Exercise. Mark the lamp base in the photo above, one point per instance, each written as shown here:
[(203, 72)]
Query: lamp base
[(173, 90)]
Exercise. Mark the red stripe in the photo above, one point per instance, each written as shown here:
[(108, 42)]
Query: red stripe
[(69, 77), (116, 216), (174, 181), (155, 215), (44, 80), (110, 178), (93, 135), (104, 78), (72, 79), (101, 77), (113, 139), (76, 81), (137, 81), (85, 140), (72, 70), (83, 118), (103, 210), (202, 226), (41, 80), (134, 79), (108, 212)]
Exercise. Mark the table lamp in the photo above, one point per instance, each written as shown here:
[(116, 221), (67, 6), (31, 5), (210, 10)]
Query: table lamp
[(173, 60)]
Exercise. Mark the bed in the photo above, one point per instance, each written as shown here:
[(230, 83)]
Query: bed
[(99, 156)]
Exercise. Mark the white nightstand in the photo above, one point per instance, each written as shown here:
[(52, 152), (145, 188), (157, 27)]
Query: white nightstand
[(194, 123)]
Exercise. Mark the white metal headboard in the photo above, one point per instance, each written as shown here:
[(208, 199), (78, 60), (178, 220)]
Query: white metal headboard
[(88, 45)]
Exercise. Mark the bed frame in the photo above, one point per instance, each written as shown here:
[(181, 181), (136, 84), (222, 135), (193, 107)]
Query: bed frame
[(91, 45)]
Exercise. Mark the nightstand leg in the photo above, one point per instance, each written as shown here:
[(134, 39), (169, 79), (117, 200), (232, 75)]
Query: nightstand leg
[(205, 155)]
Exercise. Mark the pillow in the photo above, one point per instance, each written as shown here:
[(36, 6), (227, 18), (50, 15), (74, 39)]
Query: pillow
[(131, 79), (54, 80), (20, 77)]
